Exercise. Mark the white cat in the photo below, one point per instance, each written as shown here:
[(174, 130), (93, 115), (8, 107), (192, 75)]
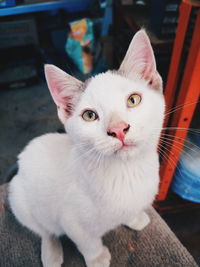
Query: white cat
[(105, 171)]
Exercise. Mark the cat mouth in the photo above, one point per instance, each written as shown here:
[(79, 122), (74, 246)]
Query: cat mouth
[(126, 146)]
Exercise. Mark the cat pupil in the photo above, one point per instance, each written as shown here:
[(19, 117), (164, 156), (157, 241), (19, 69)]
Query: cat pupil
[(133, 100), (90, 114)]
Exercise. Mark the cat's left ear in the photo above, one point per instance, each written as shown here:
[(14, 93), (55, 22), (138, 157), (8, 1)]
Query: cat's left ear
[(65, 90), (140, 60)]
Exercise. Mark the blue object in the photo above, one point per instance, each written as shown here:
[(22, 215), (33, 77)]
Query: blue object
[(80, 49), (69, 5), (108, 19), (7, 3), (196, 139), (186, 181)]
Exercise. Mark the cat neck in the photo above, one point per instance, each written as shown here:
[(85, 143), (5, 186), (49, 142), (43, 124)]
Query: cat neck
[(107, 174), (94, 164)]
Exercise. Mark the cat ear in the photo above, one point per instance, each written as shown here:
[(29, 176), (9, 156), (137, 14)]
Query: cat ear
[(140, 60), (65, 90)]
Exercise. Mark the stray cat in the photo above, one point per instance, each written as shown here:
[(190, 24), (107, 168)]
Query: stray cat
[(104, 171)]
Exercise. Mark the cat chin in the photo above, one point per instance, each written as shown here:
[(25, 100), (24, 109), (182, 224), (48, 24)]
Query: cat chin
[(119, 150), (126, 153), (122, 152)]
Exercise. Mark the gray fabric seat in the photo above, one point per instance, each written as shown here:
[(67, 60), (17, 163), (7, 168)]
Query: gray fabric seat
[(155, 246)]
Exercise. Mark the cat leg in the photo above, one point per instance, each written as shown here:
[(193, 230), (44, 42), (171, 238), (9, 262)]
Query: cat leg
[(91, 247), (51, 251), (95, 254), (102, 260), (140, 222)]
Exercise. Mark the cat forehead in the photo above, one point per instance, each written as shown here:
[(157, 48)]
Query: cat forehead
[(110, 83)]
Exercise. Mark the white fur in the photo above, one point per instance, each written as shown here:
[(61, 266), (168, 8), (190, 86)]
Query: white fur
[(81, 183)]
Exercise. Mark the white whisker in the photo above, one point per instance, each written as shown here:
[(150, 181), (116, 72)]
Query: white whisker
[(179, 107), (179, 138), (176, 147), (174, 163), (177, 142)]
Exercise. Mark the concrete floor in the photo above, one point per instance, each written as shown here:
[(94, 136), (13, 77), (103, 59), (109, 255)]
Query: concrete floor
[(24, 114)]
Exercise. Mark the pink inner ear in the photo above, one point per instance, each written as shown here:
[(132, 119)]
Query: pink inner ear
[(139, 58), (63, 87), (56, 80)]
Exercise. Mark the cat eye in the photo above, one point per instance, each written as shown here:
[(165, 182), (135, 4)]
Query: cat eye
[(133, 100), (89, 115)]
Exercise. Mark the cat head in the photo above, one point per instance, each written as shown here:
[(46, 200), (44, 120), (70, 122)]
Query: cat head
[(117, 112)]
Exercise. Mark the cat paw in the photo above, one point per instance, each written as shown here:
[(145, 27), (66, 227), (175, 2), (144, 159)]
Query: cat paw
[(54, 260), (140, 222), (52, 253), (103, 260)]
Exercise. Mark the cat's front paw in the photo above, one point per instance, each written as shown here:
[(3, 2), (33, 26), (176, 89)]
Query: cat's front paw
[(140, 222), (53, 260), (52, 252), (103, 260)]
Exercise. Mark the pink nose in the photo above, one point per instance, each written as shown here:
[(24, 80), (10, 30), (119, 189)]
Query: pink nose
[(118, 131)]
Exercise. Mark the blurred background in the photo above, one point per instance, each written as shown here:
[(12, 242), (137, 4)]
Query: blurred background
[(84, 38)]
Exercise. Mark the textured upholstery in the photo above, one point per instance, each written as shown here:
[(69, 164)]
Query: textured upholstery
[(155, 246)]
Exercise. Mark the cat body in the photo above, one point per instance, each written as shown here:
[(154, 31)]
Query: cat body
[(105, 171), (118, 198)]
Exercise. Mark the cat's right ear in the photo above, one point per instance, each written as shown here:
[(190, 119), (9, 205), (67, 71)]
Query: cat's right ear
[(65, 90), (140, 60)]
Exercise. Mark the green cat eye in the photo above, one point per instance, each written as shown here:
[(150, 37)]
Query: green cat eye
[(89, 115), (133, 100)]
